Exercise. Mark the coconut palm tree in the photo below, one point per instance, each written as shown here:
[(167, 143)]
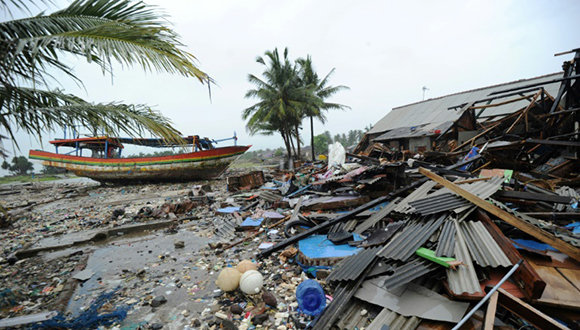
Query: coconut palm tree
[(282, 99), (31, 61), (322, 90)]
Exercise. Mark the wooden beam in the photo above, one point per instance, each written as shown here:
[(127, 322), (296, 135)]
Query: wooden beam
[(490, 312), (527, 312), (522, 225)]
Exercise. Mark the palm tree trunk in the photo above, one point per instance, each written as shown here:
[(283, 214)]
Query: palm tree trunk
[(298, 142), (312, 137), (286, 144), (292, 143)]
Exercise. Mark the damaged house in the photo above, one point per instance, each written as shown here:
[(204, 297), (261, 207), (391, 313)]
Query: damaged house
[(423, 126)]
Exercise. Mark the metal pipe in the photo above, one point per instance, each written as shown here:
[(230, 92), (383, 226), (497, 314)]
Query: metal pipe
[(488, 295)]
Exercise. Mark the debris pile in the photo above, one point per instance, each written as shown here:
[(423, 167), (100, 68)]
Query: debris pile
[(479, 229)]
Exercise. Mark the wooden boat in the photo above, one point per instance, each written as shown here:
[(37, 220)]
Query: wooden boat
[(106, 165)]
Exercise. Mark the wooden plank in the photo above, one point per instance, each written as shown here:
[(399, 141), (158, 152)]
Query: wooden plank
[(572, 275), (559, 291), (490, 312), (526, 277), (527, 312), (522, 225)]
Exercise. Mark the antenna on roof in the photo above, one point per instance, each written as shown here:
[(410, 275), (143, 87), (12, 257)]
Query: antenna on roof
[(424, 90)]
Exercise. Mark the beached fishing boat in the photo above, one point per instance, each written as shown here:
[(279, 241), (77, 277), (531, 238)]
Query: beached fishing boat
[(105, 163)]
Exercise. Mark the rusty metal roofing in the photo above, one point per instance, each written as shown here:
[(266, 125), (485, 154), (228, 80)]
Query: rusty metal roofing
[(352, 267), (482, 247), (436, 203), (407, 272), (464, 279), (419, 193), (352, 316), (413, 236), (435, 111), (376, 217), (446, 242), (394, 321)]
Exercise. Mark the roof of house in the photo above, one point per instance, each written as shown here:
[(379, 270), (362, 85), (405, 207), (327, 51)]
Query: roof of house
[(436, 111)]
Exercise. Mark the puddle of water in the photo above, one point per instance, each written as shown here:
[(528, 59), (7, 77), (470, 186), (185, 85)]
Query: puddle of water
[(173, 273)]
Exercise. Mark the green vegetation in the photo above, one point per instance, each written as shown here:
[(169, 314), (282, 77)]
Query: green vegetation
[(27, 178), (131, 33), (19, 166), (287, 93)]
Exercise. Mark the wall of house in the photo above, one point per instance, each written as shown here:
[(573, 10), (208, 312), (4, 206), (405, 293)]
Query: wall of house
[(420, 144)]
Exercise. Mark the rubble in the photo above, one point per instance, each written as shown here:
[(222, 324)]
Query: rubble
[(386, 236)]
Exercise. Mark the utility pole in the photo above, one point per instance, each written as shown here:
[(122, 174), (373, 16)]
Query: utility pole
[(424, 90)]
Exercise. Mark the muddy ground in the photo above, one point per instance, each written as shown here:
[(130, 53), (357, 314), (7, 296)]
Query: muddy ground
[(145, 243)]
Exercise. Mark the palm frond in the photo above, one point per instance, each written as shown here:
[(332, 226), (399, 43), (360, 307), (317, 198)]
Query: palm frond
[(129, 32), (36, 111)]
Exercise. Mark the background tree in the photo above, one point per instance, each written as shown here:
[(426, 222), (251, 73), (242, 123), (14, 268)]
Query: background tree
[(282, 99), (321, 142), (322, 90), (129, 32), (19, 166)]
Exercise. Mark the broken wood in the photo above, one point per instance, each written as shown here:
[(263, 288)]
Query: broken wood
[(522, 225), (490, 312), (527, 312)]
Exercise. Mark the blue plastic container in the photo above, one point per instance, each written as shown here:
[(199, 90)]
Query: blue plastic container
[(311, 298)]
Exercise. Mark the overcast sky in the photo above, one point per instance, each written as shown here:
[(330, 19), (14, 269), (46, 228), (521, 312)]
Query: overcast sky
[(385, 51)]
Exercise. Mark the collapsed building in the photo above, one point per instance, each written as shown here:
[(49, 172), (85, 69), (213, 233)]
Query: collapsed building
[(530, 124)]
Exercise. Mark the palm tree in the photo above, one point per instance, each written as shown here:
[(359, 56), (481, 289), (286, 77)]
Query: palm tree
[(282, 99), (129, 32), (321, 89)]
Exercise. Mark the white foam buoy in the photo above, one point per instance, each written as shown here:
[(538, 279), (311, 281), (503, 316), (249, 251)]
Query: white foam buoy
[(251, 282)]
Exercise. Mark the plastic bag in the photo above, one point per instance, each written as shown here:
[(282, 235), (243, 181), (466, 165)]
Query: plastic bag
[(336, 155)]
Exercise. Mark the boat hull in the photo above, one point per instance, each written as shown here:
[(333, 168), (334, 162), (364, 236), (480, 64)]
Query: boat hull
[(201, 165)]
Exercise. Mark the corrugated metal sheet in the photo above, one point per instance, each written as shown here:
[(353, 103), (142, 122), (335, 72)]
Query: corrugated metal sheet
[(270, 196), (373, 219), (446, 242), (414, 131), (352, 267), (381, 235), (482, 189), (225, 227), (436, 203), (352, 318), (540, 223), (436, 110), (408, 272), (412, 237), (394, 321), (419, 193), (482, 246), (464, 279)]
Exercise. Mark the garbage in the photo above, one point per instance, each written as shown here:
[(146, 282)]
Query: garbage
[(228, 279), (310, 297), (251, 282), (246, 265), (406, 228)]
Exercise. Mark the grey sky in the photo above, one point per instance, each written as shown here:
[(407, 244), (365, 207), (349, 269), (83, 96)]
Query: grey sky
[(385, 51)]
